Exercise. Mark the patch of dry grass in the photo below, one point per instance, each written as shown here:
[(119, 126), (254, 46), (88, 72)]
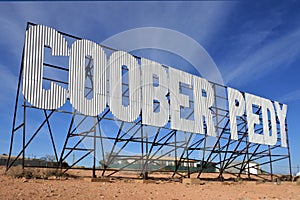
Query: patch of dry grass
[(37, 173)]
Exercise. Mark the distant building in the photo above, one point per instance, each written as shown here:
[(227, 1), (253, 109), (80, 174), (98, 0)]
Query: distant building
[(249, 168), (158, 163), (33, 162)]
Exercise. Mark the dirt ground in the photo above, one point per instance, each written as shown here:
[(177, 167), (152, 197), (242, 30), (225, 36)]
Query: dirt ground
[(80, 188)]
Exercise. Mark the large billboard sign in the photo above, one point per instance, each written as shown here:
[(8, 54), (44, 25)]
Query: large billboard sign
[(149, 83)]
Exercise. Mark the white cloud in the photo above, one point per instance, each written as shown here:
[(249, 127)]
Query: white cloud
[(275, 54), (290, 97), (12, 35), (9, 86)]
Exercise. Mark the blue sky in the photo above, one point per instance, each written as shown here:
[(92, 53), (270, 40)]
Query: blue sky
[(255, 45)]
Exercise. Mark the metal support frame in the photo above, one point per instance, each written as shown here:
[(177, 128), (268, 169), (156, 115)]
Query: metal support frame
[(155, 146)]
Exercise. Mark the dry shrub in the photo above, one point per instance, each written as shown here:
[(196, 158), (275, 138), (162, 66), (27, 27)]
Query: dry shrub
[(15, 172), (38, 173), (297, 180)]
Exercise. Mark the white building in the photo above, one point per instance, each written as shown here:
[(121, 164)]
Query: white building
[(249, 168)]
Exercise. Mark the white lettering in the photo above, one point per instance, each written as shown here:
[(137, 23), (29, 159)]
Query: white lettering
[(132, 110), (203, 104), (236, 104), (151, 93), (134, 90), (37, 37), (77, 75), (281, 113)]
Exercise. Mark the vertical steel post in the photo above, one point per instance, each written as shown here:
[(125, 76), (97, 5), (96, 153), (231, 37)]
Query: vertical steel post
[(175, 139), (289, 153), (95, 148), (188, 162), (16, 107), (24, 133), (147, 152), (271, 167)]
